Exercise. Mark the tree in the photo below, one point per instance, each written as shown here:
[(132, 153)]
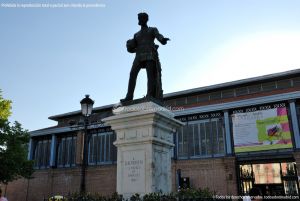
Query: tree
[(13, 147), (5, 106)]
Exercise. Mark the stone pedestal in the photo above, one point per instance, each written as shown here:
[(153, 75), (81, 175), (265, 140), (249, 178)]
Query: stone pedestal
[(144, 141)]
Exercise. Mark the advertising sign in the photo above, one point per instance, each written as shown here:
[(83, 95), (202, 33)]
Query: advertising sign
[(261, 130)]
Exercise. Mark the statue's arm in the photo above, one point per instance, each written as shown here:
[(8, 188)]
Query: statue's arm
[(160, 37), (131, 45)]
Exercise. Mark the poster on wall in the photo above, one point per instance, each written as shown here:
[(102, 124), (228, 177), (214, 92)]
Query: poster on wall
[(261, 130)]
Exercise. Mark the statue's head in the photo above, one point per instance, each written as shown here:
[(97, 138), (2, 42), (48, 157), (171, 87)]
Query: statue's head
[(143, 18)]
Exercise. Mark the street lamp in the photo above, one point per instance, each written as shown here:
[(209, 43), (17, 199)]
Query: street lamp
[(86, 106), (86, 110)]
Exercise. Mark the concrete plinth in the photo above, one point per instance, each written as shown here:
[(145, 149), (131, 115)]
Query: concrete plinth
[(144, 142)]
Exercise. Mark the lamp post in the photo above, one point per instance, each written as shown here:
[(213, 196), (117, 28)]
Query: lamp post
[(86, 110)]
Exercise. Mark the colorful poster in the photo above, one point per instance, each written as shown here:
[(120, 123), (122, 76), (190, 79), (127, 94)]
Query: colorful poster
[(261, 130)]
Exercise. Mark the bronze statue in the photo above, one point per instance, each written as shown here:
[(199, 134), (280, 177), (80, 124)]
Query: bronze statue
[(146, 57)]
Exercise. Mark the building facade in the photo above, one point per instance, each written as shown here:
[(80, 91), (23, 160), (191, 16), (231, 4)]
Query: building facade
[(237, 135)]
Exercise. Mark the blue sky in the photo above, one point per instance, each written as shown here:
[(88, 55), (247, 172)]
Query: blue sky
[(52, 57)]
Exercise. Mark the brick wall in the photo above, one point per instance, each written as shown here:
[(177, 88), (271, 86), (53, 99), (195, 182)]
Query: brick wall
[(102, 179), (50, 182), (217, 174)]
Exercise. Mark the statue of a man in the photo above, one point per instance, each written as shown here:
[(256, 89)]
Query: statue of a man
[(146, 57)]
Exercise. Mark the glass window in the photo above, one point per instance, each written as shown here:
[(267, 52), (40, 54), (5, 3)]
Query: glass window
[(267, 173), (290, 187), (196, 140), (272, 178), (182, 142), (66, 151), (246, 178), (288, 169), (101, 148), (296, 81), (215, 95), (203, 98), (241, 91), (202, 138), (254, 89), (191, 99), (41, 153), (208, 138), (228, 93), (269, 86), (180, 101), (283, 84)]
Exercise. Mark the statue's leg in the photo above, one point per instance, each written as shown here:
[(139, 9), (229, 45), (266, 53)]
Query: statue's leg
[(152, 78), (132, 79), (159, 91)]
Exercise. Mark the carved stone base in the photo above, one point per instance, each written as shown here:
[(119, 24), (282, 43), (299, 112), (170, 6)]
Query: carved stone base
[(144, 141)]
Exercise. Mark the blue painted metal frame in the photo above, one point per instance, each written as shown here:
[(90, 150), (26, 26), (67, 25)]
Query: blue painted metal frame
[(227, 133), (295, 124), (53, 150)]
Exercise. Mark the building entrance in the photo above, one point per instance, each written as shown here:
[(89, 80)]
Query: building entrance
[(275, 179)]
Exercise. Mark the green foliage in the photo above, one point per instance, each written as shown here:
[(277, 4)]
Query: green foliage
[(183, 195), (5, 109), (13, 152), (159, 197), (94, 197), (136, 197), (195, 193), (13, 147)]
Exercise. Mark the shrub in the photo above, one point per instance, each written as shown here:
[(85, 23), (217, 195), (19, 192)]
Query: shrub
[(195, 193), (183, 195)]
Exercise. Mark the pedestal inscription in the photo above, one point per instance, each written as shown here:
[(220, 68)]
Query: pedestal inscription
[(134, 171)]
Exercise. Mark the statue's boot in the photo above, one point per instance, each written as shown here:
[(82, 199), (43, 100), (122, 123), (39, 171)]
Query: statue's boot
[(127, 98)]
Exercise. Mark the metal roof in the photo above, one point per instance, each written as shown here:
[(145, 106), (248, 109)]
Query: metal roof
[(77, 112), (233, 83)]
